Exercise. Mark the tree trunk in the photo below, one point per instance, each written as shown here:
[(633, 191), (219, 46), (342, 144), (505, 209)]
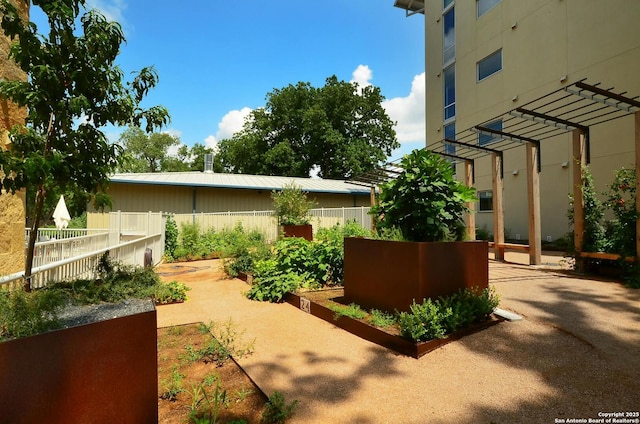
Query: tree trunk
[(33, 235)]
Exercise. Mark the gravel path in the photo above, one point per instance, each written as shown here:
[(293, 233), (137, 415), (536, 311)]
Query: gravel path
[(575, 355)]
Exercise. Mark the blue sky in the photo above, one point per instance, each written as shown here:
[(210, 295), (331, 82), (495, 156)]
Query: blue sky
[(217, 60)]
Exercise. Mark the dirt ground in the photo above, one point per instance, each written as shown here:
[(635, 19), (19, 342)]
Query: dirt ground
[(188, 383), (575, 355)]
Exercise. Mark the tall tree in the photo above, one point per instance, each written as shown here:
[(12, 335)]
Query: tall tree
[(145, 152), (74, 88), (339, 129)]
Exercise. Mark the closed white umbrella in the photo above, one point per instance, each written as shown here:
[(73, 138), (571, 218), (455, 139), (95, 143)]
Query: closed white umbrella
[(61, 215)]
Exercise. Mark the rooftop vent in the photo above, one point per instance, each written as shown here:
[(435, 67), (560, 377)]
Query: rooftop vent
[(208, 163)]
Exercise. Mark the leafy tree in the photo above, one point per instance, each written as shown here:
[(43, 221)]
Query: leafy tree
[(74, 88), (145, 152), (339, 129)]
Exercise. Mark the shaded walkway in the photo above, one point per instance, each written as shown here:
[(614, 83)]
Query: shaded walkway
[(577, 352)]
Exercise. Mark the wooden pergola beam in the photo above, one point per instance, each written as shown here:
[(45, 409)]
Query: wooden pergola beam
[(579, 166), (498, 209), (470, 217), (533, 192), (637, 144)]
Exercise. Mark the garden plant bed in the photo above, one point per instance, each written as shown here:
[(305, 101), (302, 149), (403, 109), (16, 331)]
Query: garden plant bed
[(317, 304), (191, 378)]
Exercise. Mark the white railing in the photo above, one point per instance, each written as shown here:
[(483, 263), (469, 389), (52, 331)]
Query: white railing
[(265, 222), (57, 250), (84, 266), (46, 234)]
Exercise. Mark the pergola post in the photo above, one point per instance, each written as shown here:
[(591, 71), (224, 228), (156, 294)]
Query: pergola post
[(498, 210), (579, 165), (470, 218), (637, 136), (373, 203), (533, 191)]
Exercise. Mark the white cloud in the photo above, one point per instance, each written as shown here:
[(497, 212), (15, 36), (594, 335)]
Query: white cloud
[(230, 124), (210, 141), (362, 76), (111, 9), (409, 112)]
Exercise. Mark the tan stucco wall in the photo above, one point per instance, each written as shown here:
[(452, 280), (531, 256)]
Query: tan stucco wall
[(12, 207), (175, 199), (550, 39)]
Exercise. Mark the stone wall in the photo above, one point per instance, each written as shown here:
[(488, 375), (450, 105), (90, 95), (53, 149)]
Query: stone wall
[(12, 207)]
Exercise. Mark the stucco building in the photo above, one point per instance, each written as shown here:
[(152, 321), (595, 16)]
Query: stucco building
[(12, 207), (538, 70)]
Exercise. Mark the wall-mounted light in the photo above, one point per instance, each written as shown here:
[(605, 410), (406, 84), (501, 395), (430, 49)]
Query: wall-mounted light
[(563, 79), (565, 164), (516, 172), (514, 98), (438, 74), (514, 25)]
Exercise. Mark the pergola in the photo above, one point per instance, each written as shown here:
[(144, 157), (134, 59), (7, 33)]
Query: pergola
[(574, 108)]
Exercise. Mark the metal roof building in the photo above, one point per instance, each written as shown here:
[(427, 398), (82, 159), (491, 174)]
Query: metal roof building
[(195, 192)]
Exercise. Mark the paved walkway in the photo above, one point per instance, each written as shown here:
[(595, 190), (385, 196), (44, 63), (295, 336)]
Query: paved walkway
[(576, 353)]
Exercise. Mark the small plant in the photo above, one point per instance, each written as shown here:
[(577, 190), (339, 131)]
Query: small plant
[(172, 292), (381, 319), (224, 343), (243, 393), (205, 408), (291, 206), (352, 311), (173, 386), (277, 410)]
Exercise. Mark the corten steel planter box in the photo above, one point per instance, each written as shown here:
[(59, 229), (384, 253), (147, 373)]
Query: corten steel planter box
[(379, 336), (389, 275), (103, 372), (304, 231)]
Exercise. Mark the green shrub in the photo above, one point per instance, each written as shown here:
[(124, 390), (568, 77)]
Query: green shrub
[(170, 238), (290, 205), (425, 201), (171, 292), (270, 284), (277, 410), (425, 322), (447, 314), (25, 314)]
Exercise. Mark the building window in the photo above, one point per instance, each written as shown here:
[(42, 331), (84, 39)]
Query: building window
[(483, 6), (449, 92), (484, 139), (450, 134), (490, 65), (446, 3), (449, 37), (485, 201)]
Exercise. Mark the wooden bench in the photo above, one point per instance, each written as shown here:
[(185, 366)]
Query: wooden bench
[(607, 256), (501, 247)]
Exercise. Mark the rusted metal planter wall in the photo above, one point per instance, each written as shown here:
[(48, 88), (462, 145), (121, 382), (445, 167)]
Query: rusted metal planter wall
[(304, 231), (389, 275), (104, 372)]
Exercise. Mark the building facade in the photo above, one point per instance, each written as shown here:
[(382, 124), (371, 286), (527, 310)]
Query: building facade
[(204, 192), (12, 207), (487, 59)]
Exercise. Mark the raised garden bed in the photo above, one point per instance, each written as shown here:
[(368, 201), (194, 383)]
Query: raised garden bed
[(102, 370), (315, 303)]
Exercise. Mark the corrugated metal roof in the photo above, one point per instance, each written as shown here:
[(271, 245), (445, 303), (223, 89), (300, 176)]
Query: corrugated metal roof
[(239, 181)]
